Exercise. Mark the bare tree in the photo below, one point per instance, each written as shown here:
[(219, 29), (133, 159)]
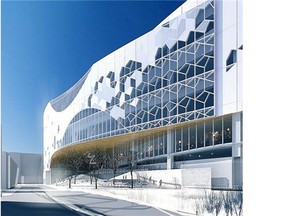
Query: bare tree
[(200, 208), (114, 163), (88, 169), (209, 202), (227, 203), (70, 163), (78, 163), (218, 203), (96, 158), (132, 158), (237, 202)]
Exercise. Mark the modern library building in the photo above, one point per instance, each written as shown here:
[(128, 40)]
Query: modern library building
[(173, 96)]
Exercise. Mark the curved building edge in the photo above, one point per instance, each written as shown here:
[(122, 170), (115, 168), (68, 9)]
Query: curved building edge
[(108, 92)]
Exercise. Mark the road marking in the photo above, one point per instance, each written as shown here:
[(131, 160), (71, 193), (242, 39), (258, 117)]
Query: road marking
[(163, 211), (73, 207), (7, 194)]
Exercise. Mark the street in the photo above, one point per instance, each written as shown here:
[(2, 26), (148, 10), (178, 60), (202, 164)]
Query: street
[(43, 200), (31, 200)]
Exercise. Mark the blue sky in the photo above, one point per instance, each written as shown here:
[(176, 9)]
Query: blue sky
[(48, 46)]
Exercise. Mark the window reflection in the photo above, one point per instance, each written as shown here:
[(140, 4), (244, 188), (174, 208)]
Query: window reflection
[(185, 138), (208, 133), (178, 140), (165, 142), (192, 137), (217, 135), (161, 145), (156, 147), (227, 129), (200, 135)]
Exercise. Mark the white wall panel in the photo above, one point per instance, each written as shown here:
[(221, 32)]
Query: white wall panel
[(142, 50), (229, 42), (188, 5), (151, 45), (129, 52), (240, 22), (229, 91), (229, 14), (240, 80)]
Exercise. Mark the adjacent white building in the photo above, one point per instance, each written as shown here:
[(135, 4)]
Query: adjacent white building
[(21, 168)]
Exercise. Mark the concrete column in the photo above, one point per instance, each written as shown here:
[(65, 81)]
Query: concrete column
[(237, 172), (170, 158), (237, 164), (236, 128), (236, 135), (219, 62)]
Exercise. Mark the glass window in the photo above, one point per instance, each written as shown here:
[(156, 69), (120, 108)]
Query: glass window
[(146, 148), (192, 137), (155, 145), (100, 128), (165, 142), (161, 145), (218, 131), (200, 135), (142, 142), (132, 82), (178, 140), (173, 141), (199, 17), (185, 134), (208, 133), (231, 58), (149, 148), (227, 129), (104, 127), (108, 126)]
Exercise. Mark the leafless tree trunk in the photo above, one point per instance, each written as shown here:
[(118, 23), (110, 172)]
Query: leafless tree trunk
[(237, 202), (227, 203), (218, 203), (69, 179), (131, 172), (96, 179), (75, 179), (91, 179)]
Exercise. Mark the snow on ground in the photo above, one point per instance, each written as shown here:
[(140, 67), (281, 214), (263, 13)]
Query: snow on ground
[(177, 200)]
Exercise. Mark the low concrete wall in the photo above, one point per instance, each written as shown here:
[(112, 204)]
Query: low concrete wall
[(196, 177), (169, 176), (221, 170)]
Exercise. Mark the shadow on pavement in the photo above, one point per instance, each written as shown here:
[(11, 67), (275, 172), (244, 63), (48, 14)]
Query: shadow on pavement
[(9, 208)]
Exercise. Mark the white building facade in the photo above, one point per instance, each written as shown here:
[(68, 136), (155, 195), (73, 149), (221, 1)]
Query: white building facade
[(173, 95)]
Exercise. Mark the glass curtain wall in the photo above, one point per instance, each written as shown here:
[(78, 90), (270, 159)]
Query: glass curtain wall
[(199, 135)]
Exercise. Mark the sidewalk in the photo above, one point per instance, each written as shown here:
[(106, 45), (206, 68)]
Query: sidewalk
[(99, 202), (9, 192)]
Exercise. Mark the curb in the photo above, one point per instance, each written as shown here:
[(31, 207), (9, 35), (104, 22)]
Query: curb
[(73, 207), (169, 212)]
